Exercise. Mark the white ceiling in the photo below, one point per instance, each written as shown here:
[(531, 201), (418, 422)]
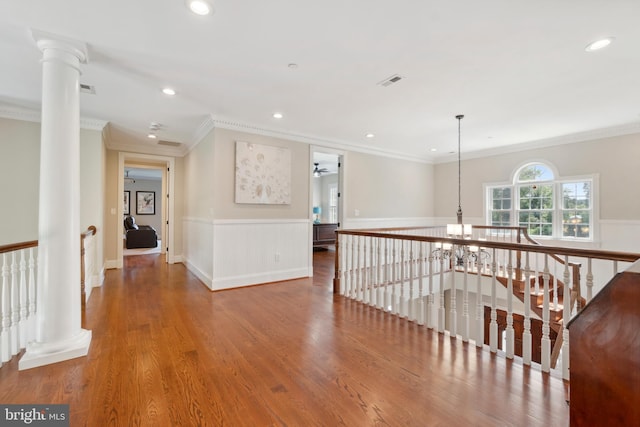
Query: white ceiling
[(517, 70)]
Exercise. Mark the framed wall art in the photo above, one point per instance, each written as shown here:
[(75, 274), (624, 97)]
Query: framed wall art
[(127, 203), (263, 174), (145, 202)]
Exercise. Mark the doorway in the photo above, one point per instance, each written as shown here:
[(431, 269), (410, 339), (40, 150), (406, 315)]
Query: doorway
[(163, 206), (326, 207)]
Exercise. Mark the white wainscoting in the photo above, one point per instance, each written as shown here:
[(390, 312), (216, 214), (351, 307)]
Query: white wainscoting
[(197, 249), (249, 252)]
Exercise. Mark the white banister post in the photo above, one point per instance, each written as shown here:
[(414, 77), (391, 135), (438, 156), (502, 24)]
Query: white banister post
[(509, 333), (412, 262), (5, 320), (465, 297), (31, 324), (545, 348), (479, 304), (566, 314), (420, 310), (59, 334), (15, 306), (493, 325), (441, 312), (24, 312), (526, 334), (453, 310), (401, 311), (429, 311)]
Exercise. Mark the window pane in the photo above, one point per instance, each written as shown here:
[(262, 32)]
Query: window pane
[(535, 172)]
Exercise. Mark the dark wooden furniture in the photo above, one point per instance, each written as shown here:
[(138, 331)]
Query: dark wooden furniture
[(324, 234), (604, 346)]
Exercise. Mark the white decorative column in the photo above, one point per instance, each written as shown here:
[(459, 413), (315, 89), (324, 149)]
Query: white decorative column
[(59, 335)]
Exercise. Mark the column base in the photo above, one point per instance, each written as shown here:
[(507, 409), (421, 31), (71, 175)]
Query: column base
[(40, 354)]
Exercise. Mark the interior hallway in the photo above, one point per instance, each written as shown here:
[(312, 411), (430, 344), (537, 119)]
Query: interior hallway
[(166, 351)]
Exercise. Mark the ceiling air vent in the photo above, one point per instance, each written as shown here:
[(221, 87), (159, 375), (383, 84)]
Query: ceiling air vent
[(390, 80), (169, 143), (87, 89)]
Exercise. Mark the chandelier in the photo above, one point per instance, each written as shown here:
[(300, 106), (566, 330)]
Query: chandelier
[(459, 230)]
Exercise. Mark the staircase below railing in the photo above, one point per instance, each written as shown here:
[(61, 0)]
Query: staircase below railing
[(448, 284), (18, 290)]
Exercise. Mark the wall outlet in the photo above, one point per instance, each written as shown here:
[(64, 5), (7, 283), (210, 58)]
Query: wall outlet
[(357, 212), (277, 257)]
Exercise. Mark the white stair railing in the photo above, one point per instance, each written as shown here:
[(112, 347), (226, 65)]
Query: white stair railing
[(408, 275), (18, 288)]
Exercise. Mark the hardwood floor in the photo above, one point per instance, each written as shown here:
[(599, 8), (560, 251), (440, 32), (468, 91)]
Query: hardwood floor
[(168, 352)]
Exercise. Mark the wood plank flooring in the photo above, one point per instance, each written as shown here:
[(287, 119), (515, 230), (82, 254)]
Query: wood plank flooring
[(168, 352)]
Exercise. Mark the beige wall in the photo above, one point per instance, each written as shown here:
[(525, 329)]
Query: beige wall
[(381, 187), (20, 175), (19, 180), (199, 175), (224, 179), (613, 159)]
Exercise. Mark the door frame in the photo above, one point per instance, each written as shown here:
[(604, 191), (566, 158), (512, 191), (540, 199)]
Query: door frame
[(341, 155), (168, 187)]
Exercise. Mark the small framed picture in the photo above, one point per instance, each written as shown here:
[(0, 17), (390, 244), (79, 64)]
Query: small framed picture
[(127, 203), (145, 202)]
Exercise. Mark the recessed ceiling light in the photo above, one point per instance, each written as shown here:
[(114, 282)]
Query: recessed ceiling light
[(599, 44), (152, 136), (168, 91), (293, 66), (277, 115), (199, 7), (433, 149), (369, 135)]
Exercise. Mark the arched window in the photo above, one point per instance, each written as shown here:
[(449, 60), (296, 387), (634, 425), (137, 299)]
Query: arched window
[(543, 203)]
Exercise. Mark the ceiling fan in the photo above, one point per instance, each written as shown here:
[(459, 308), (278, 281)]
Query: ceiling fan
[(318, 171)]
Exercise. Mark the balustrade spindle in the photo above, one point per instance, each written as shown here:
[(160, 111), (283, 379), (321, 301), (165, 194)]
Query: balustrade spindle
[(14, 330), (403, 277), (526, 334), (359, 275), (24, 309), (32, 296), (387, 275), (493, 326), (465, 297), (555, 286), (546, 341), (509, 333), (430, 301), (5, 345), (479, 306), (589, 281), (420, 309), (441, 311), (566, 315), (368, 282), (370, 270), (394, 270), (453, 318), (380, 276), (411, 302)]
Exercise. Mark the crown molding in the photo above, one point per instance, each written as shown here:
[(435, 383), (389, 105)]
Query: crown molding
[(317, 141), (592, 135), (31, 115)]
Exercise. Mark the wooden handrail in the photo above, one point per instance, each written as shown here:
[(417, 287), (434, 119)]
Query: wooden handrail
[(90, 231), (18, 246), (550, 250)]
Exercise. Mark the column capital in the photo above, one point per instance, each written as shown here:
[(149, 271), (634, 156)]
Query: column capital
[(46, 41)]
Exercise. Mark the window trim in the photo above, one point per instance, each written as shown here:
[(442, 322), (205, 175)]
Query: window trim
[(557, 182)]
